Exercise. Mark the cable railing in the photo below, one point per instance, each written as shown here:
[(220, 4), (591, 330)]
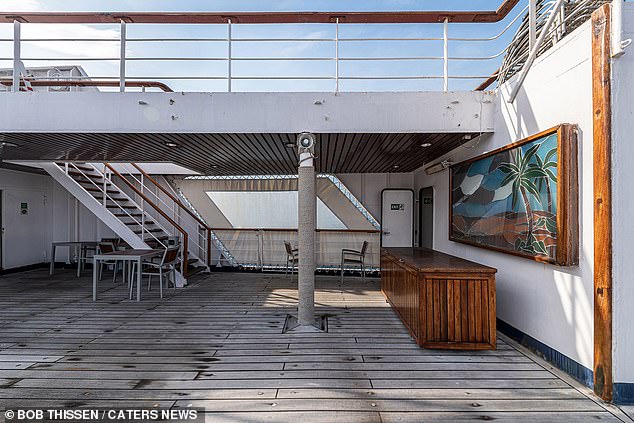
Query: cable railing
[(333, 57), (349, 58)]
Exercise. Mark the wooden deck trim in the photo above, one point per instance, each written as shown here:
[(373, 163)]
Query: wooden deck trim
[(602, 136)]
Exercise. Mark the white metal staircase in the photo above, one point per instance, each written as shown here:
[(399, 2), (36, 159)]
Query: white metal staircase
[(100, 193)]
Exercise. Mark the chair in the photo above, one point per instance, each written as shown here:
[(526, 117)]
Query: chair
[(354, 257), (104, 248), (166, 267), (292, 258)]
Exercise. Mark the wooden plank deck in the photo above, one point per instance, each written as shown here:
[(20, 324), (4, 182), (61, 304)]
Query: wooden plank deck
[(217, 344)]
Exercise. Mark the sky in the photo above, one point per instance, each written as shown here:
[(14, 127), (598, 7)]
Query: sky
[(204, 73)]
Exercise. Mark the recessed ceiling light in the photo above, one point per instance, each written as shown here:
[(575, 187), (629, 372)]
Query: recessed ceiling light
[(214, 166), (171, 144), (426, 144), (395, 166), (467, 137), (8, 144)]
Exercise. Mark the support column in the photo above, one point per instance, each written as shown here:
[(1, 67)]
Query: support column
[(306, 238)]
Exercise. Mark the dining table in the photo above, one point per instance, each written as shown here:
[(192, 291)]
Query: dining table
[(80, 247), (128, 257)]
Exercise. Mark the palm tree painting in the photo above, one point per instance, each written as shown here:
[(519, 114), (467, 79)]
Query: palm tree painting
[(508, 200)]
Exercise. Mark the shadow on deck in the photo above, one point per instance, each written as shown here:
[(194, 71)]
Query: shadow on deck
[(217, 344)]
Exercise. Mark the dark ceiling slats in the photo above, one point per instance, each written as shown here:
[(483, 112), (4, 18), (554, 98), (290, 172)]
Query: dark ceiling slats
[(238, 154)]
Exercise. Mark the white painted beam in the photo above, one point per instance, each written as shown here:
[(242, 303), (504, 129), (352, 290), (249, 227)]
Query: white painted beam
[(389, 112)]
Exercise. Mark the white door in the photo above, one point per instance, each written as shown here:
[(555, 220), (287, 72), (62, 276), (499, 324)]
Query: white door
[(23, 228), (397, 218)]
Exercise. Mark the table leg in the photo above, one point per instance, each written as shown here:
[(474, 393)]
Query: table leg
[(78, 254), (94, 279), (52, 268), (138, 280)]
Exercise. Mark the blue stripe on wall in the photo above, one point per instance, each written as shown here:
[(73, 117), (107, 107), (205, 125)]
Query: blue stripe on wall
[(562, 362), (623, 393)]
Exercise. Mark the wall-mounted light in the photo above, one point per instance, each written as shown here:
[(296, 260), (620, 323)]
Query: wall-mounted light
[(438, 167)]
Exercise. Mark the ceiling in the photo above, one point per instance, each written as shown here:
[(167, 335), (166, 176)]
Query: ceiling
[(238, 154)]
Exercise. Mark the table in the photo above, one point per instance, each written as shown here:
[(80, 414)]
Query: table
[(445, 302), (130, 256), (81, 245)]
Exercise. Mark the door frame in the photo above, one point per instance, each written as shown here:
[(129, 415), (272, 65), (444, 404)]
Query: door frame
[(413, 212), (420, 214)]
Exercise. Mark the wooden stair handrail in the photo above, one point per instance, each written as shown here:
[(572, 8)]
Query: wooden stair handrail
[(171, 196), (184, 267)]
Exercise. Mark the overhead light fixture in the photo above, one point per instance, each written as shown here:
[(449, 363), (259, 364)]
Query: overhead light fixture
[(395, 166), (438, 167), (171, 144), (214, 166), (467, 137), (8, 144), (426, 144)]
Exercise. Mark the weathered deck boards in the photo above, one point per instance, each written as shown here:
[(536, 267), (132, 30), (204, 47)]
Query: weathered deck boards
[(218, 344)]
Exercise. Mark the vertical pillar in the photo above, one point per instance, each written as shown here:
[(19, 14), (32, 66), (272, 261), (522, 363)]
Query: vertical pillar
[(307, 205), (445, 37), (122, 37), (16, 56)]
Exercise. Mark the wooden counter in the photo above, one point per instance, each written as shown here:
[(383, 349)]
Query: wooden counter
[(444, 301)]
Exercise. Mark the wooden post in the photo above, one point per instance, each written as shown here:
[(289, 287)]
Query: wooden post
[(602, 135)]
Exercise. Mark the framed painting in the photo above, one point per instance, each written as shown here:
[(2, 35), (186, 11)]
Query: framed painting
[(520, 199)]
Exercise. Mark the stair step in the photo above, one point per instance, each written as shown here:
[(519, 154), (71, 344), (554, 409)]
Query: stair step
[(147, 222), (76, 166), (112, 206), (155, 230), (100, 190), (191, 271), (84, 174), (100, 183)]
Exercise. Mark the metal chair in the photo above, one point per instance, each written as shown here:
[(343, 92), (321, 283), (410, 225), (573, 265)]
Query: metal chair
[(354, 257), (292, 258), (104, 248), (166, 267)]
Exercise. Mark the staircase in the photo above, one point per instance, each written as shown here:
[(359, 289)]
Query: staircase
[(100, 193)]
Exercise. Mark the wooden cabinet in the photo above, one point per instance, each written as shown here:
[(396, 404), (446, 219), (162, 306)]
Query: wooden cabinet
[(444, 301)]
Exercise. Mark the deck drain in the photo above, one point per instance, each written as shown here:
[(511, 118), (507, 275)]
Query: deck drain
[(291, 324)]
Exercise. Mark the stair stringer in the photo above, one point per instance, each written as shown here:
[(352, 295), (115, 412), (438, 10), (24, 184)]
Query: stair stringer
[(92, 204)]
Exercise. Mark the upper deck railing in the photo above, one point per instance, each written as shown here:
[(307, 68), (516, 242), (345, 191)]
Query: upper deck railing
[(320, 51)]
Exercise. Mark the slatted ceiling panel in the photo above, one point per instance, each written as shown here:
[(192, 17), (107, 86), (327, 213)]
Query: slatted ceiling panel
[(238, 154)]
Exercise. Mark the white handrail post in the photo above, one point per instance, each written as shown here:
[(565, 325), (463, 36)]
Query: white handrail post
[(533, 54), (122, 57), (229, 53), (445, 55), (337, 56), (532, 23), (16, 56), (617, 29)]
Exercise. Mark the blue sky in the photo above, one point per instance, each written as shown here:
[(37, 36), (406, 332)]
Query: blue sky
[(164, 69)]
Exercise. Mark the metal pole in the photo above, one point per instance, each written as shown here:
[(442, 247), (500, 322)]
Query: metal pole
[(446, 55), (16, 56), (122, 58), (533, 54), (532, 23), (307, 205), (229, 55), (337, 56), (617, 28)]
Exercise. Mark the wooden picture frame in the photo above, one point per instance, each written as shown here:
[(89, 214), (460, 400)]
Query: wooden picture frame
[(538, 240)]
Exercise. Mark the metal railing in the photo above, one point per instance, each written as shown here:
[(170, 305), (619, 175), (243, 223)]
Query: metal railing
[(123, 210), (337, 49), (263, 248), (198, 232)]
